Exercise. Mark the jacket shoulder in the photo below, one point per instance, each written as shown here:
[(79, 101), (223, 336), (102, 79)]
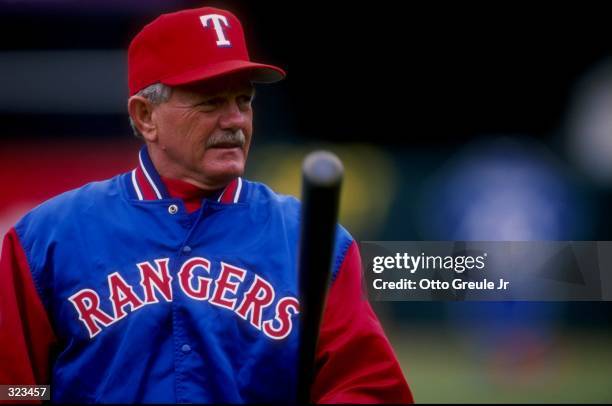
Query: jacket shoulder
[(61, 209), (262, 193), (290, 206)]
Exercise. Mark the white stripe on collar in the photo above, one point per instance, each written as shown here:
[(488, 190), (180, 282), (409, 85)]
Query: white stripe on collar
[(144, 170), (136, 188), (238, 190)]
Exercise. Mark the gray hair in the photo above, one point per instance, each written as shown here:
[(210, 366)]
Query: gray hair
[(156, 93)]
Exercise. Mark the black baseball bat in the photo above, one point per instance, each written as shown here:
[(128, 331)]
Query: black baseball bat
[(322, 173)]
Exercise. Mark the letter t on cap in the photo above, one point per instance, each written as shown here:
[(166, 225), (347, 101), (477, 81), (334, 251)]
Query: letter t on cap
[(217, 19)]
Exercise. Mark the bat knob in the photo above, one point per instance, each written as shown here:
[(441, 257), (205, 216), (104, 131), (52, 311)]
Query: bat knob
[(323, 168)]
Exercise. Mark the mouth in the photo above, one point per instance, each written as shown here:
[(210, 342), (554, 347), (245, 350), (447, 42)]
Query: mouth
[(225, 145)]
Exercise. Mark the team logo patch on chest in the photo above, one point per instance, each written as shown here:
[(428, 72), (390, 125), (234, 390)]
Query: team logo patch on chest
[(195, 282)]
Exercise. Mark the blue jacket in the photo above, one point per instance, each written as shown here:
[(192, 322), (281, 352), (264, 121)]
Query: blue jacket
[(150, 303)]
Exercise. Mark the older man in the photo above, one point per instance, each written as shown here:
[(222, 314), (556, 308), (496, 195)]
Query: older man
[(176, 282)]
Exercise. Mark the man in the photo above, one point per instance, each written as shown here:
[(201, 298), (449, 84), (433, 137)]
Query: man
[(176, 282)]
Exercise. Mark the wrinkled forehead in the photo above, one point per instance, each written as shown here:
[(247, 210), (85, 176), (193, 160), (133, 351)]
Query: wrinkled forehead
[(226, 84)]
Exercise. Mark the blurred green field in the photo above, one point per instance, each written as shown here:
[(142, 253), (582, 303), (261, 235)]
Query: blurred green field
[(573, 367)]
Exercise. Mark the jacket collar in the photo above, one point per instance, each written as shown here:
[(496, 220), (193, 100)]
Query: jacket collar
[(147, 184)]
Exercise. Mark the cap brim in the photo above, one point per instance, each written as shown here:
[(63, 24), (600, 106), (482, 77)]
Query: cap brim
[(260, 73)]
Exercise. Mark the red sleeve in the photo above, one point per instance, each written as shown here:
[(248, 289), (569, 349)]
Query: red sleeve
[(26, 335), (355, 362)]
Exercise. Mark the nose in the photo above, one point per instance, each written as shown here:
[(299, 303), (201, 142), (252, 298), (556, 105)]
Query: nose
[(233, 118)]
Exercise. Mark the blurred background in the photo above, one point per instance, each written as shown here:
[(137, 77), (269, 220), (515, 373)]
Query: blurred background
[(457, 122)]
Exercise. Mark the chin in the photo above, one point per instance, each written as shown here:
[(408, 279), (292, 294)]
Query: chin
[(224, 174)]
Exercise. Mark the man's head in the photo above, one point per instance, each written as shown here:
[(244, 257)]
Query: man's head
[(191, 86)]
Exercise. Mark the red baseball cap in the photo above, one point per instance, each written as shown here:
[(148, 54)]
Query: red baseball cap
[(189, 46)]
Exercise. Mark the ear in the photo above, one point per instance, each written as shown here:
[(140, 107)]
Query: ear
[(140, 110)]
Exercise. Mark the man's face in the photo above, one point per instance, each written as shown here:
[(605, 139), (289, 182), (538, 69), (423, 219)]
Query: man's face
[(204, 130)]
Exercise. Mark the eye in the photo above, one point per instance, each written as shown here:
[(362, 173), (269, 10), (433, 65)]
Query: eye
[(245, 99), (210, 103)]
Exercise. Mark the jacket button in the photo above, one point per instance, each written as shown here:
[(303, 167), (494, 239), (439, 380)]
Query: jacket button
[(186, 248), (186, 348), (173, 209)]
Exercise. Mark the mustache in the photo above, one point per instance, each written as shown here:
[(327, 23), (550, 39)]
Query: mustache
[(226, 137)]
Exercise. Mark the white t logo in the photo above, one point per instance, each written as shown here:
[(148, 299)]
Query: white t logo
[(217, 19)]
